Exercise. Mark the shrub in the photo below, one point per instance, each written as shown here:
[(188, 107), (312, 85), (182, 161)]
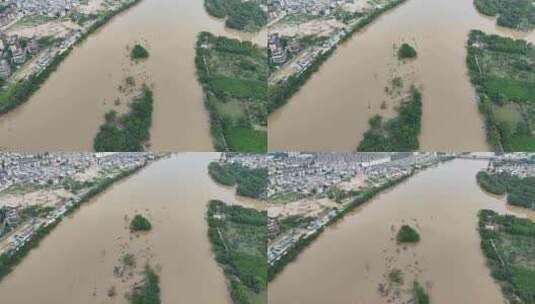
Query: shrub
[(408, 235), (140, 223), (406, 51)]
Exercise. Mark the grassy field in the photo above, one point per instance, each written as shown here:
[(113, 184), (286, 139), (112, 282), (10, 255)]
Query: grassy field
[(233, 75), (508, 243), (503, 73), (239, 238)]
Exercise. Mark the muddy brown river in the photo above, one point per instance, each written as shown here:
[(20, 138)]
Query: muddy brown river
[(331, 111), (350, 259), (75, 263), (68, 109)]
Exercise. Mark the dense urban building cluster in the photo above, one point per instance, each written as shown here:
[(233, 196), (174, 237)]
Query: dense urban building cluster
[(301, 31), (517, 164), (314, 173), (12, 10)]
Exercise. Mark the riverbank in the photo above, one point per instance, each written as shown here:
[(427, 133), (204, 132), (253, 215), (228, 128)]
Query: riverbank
[(20, 92), (280, 94), (303, 242), (232, 74), (11, 258)]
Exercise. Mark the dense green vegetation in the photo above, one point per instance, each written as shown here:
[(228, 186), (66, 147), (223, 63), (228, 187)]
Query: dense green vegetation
[(128, 132), (233, 75), (20, 92), (149, 293), (9, 260), (406, 51), (516, 14), (240, 14), (251, 182), (395, 276), (419, 294), (139, 52), (520, 191), (140, 223), (407, 234), (302, 243), (508, 243), (503, 72), (280, 93), (491, 183), (397, 134), (239, 237)]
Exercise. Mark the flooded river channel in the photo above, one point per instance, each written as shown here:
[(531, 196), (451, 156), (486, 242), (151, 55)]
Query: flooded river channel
[(66, 112), (349, 260), (75, 263), (332, 110)]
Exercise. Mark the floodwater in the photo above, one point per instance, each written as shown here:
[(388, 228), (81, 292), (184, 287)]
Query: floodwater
[(349, 260), (66, 112), (332, 110), (75, 263)]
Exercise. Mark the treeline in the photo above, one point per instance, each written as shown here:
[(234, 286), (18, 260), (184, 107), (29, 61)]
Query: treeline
[(21, 91), (245, 270), (520, 191), (281, 93), (398, 134), (516, 14), (503, 85), (509, 265), (149, 293), (240, 15), (9, 260), (251, 182), (129, 132), (242, 80), (302, 243)]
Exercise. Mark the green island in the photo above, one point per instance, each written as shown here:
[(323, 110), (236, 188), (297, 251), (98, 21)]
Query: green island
[(407, 234), (360, 198), (280, 93), (508, 242), (19, 92), (128, 132), (406, 51), (240, 14), (502, 70), (515, 14), (233, 75), (140, 223), (520, 191), (149, 291), (9, 260), (139, 53), (420, 294), (251, 182), (398, 134), (239, 239)]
